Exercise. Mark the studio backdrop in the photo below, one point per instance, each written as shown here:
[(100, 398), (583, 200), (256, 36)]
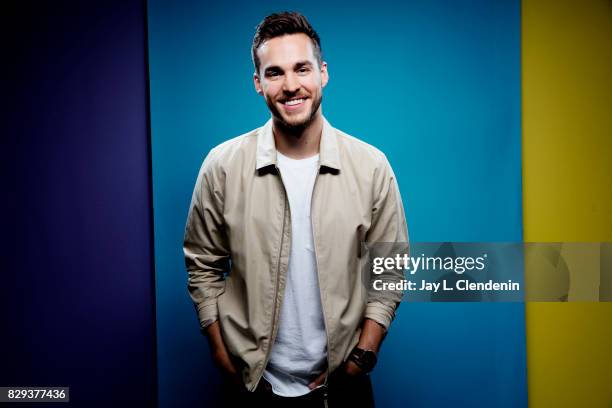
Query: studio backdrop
[(436, 85)]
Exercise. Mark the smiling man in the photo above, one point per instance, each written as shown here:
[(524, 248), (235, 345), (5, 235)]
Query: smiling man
[(273, 240)]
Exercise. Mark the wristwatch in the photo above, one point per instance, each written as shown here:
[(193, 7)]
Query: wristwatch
[(365, 359)]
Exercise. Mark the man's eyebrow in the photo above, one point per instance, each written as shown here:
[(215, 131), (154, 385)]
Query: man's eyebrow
[(273, 68), (301, 64)]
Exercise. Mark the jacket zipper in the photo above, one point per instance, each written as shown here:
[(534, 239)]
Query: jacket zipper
[(275, 317), (276, 294), (314, 247)]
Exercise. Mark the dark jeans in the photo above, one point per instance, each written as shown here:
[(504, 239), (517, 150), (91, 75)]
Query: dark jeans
[(342, 390)]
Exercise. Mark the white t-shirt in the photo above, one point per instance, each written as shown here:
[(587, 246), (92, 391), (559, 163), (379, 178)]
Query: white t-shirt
[(299, 353)]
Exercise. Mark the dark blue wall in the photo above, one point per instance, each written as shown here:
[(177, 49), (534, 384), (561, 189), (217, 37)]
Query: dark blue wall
[(77, 275)]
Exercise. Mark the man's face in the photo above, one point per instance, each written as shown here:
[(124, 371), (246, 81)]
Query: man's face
[(290, 79)]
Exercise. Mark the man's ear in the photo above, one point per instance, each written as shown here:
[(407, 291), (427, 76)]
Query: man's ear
[(324, 74), (257, 83)]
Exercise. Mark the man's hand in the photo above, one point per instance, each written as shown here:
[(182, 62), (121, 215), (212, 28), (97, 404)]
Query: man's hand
[(318, 381), (352, 369), (220, 355), (372, 335)]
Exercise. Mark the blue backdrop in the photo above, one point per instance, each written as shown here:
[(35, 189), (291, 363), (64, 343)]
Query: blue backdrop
[(436, 86)]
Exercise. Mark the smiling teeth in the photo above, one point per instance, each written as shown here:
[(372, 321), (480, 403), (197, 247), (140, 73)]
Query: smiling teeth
[(294, 102)]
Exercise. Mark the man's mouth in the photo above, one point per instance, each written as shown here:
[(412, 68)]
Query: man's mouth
[(293, 102)]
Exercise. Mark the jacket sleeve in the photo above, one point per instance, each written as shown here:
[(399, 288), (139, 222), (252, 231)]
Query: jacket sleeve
[(205, 244), (389, 227)]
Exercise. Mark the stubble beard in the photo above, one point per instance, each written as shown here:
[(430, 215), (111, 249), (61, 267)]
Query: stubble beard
[(294, 129)]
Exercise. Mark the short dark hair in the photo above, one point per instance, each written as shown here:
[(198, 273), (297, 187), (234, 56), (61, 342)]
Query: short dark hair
[(279, 24)]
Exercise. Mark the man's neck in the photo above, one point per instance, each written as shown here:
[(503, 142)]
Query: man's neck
[(302, 145)]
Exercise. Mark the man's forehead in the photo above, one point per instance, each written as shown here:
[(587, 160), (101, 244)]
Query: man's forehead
[(286, 50)]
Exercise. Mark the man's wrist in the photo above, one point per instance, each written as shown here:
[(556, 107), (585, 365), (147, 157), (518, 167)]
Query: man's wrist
[(205, 326), (372, 334), (364, 359)]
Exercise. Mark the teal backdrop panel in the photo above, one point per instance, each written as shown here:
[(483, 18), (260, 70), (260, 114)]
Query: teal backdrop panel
[(436, 86)]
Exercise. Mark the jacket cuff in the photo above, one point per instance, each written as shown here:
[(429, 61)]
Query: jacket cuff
[(208, 314), (380, 313)]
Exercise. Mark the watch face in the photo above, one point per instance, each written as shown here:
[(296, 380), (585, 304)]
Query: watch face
[(365, 359), (369, 359)]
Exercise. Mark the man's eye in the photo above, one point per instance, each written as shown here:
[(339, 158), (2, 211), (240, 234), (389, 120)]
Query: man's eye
[(303, 70), (273, 74)]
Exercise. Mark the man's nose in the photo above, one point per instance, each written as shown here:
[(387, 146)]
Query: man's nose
[(291, 84)]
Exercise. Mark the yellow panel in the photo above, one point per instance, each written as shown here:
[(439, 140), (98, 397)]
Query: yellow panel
[(567, 188), (569, 355)]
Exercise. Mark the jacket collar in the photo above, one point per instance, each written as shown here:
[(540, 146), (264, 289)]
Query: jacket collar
[(329, 155)]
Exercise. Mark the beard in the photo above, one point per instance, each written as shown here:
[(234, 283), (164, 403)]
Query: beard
[(294, 128)]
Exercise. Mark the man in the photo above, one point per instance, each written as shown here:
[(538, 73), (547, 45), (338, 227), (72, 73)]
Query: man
[(283, 211)]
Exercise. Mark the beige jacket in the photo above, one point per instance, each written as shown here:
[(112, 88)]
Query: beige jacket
[(239, 223)]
